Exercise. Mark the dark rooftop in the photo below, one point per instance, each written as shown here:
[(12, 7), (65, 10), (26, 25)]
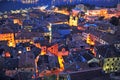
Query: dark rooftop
[(107, 51)]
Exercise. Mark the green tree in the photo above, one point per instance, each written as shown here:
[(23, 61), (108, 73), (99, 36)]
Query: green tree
[(114, 21)]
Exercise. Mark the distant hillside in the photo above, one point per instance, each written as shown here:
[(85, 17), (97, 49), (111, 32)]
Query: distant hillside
[(9, 5)]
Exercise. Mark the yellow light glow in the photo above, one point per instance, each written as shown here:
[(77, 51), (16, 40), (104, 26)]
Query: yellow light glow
[(64, 11), (8, 37), (7, 54), (89, 40), (10, 44), (43, 50), (61, 61)]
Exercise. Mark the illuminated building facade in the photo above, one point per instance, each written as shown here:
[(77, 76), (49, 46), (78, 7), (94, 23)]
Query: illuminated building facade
[(103, 12), (22, 40), (17, 21), (12, 40), (73, 21), (93, 38), (111, 64), (89, 40), (8, 37)]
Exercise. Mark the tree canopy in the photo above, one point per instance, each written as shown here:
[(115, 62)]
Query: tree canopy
[(114, 21)]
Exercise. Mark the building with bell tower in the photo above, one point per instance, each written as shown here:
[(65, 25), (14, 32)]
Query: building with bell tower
[(73, 21)]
